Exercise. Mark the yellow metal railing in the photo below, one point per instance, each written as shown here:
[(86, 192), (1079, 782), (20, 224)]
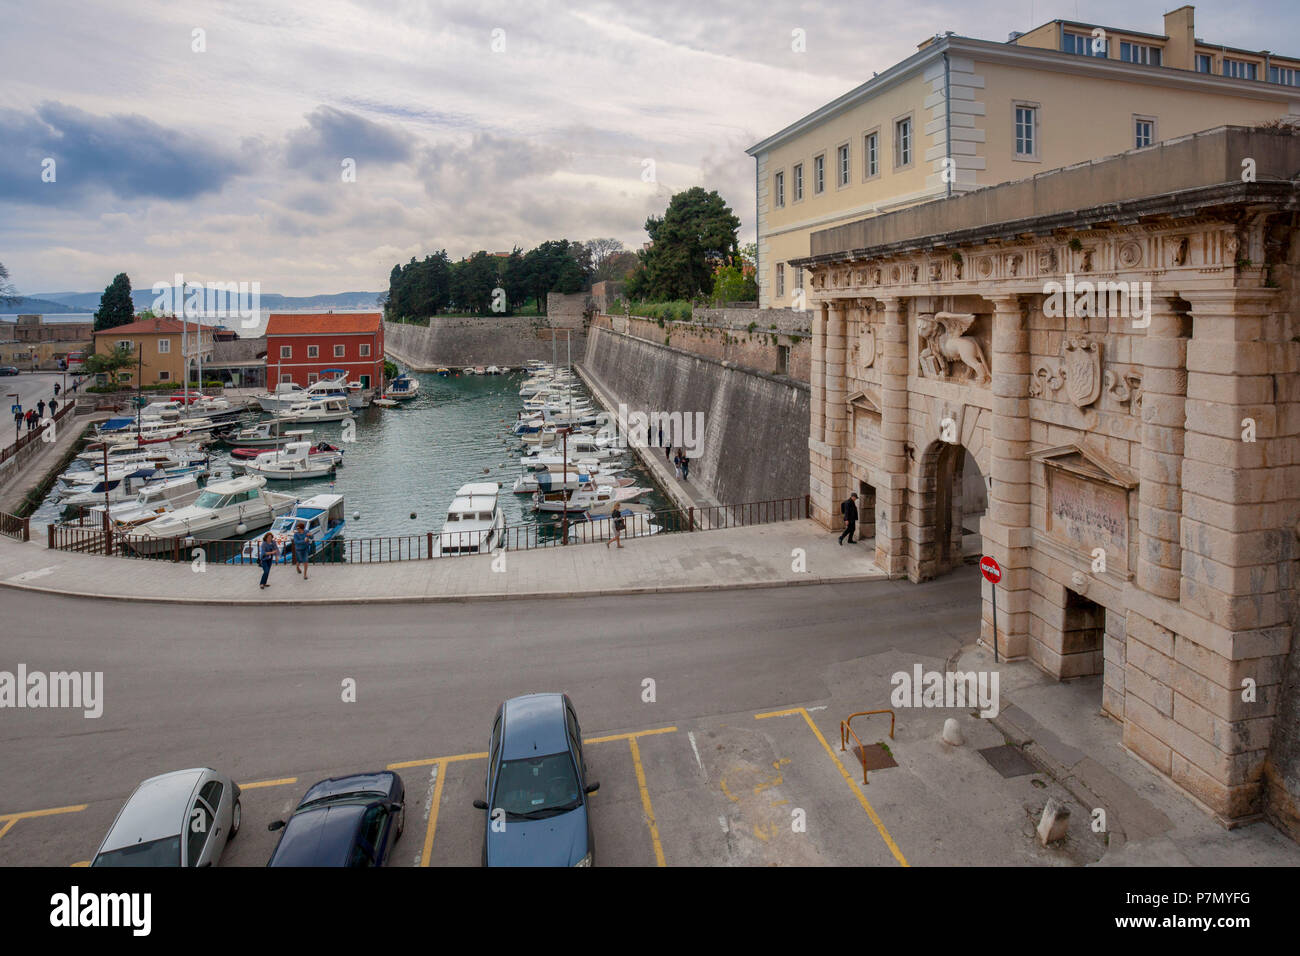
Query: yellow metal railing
[(846, 728)]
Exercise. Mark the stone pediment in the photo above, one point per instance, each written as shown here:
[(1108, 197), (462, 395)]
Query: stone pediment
[(861, 400), (1087, 462)]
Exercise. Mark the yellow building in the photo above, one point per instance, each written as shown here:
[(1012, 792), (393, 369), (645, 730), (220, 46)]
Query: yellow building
[(961, 114), (158, 345)]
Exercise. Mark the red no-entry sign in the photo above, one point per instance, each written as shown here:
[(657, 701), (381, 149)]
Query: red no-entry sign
[(991, 570)]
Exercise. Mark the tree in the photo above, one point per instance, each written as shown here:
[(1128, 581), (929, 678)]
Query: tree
[(514, 279), (616, 267), (600, 250), (106, 363), (733, 284), (696, 235), (8, 294), (115, 305)]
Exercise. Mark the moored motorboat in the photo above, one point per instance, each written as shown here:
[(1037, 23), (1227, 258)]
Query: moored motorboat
[(295, 461), (475, 523), (403, 388), (222, 509), (323, 521)]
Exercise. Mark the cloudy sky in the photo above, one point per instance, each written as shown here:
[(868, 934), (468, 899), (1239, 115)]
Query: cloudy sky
[(472, 125)]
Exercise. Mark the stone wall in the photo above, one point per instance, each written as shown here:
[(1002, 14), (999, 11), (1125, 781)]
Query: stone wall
[(755, 426), (568, 311), (785, 320), (478, 340), (759, 350)]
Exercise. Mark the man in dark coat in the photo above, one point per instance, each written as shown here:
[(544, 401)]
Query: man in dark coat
[(849, 509)]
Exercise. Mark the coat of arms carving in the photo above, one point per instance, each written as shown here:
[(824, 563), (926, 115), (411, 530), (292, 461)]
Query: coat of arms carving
[(1081, 365), (867, 349)]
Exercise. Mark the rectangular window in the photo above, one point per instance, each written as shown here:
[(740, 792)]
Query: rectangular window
[(338, 351), (365, 350), (1144, 132), (780, 279), (312, 378), (871, 152), (164, 346), (903, 142), (842, 164), (779, 189), (1240, 69), (285, 377), (1284, 75), (1204, 63), (164, 375), (1026, 132), (313, 351), (1139, 53), (1083, 45), (286, 351), (798, 278), (819, 174), (798, 182)]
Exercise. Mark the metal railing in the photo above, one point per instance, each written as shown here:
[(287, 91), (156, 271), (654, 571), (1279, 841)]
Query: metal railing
[(90, 537), (35, 434), (12, 526), (846, 729)]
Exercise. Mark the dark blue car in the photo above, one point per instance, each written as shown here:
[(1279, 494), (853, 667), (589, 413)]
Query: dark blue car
[(344, 821), (537, 786)]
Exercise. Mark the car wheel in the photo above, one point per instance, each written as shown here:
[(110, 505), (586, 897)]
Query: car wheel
[(236, 813), (401, 823)]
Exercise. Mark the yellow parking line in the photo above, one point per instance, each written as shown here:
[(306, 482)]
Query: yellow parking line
[(259, 784), (430, 761), (11, 818), (630, 736), (645, 800), (433, 814), (848, 778)]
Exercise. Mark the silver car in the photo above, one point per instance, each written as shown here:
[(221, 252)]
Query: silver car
[(183, 818)]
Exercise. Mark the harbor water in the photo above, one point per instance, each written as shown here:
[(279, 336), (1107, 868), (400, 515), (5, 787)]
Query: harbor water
[(405, 463)]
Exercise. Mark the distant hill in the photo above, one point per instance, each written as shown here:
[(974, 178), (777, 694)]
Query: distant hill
[(27, 305), (55, 302)]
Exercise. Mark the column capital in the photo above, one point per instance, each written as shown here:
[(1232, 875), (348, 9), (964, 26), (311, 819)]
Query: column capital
[(1213, 300)]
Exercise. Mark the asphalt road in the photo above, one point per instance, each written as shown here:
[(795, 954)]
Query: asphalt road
[(31, 387), (258, 694)]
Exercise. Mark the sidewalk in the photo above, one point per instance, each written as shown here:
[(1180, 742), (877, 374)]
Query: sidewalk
[(757, 556)]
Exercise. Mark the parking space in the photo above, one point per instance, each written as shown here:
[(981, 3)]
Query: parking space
[(743, 789)]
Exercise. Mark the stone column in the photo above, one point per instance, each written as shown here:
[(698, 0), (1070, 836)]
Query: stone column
[(836, 416), (891, 497), (1162, 354), (1006, 525), (820, 475)]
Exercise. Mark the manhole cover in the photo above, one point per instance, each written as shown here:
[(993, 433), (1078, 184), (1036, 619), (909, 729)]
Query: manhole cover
[(875, 756), (1008, 761)]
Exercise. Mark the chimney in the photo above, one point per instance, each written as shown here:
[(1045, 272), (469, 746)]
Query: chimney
[(1180, 27)]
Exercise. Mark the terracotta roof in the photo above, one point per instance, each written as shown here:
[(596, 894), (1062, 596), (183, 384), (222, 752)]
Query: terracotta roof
[(158, 324), (322, 323)]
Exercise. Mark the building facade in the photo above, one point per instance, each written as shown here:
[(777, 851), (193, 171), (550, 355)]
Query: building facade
[(1110, 355), (301, 346), (160, 345), (961, 114)]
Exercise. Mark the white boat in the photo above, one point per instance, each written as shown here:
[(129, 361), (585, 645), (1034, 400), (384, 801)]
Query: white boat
[(600, 526), (139, 432), (285, 395), (259, 435), (333, 409), (323, 521), (402, 388), (165, 461), (154, 499), (288, 394), (295, 461), (468, 370), (123, 451), (222, 509), (555, 480), (385, 403), (586, 498), (494, 370), (120, 486), (548, 458), (475, 523)]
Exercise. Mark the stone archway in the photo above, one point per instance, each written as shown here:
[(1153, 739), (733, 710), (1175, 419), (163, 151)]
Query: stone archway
[(953, 498)]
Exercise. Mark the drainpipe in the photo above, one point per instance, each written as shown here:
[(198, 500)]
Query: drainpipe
[(947, 115), (758, 239)]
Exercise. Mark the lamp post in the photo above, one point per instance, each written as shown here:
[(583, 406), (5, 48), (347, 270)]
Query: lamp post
[(564, 481)]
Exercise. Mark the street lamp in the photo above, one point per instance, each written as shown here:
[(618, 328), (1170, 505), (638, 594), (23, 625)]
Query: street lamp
[(564, 481)]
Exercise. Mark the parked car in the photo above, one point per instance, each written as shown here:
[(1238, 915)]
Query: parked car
[(8, 370), (537, 786), (344, 821), (184, 818)]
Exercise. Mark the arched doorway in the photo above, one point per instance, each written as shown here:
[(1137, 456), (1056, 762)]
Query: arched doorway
[(955, 499)]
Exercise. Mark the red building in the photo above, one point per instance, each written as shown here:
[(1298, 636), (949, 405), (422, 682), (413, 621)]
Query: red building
[(300, 346)]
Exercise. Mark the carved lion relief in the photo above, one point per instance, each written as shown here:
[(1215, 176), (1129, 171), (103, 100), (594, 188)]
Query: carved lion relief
[(944, 341)]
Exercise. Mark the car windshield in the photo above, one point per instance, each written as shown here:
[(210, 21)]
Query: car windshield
[(537, 787), (164, 852), (352, 796)]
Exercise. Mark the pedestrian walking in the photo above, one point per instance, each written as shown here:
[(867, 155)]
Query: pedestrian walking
[(18, 419), (54, 407), (40, 408), (661, 436), (56, 389), (266, 552), (849, 509), (301, 544), (677, 464), (620, 525), (31, 419), (686, 468)]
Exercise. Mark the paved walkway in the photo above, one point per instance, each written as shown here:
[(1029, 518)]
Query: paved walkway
[(758, 556)]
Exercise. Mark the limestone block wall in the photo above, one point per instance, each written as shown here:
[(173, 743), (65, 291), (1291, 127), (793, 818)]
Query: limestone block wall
[(756, 350), (477, 340), (755, 426)]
